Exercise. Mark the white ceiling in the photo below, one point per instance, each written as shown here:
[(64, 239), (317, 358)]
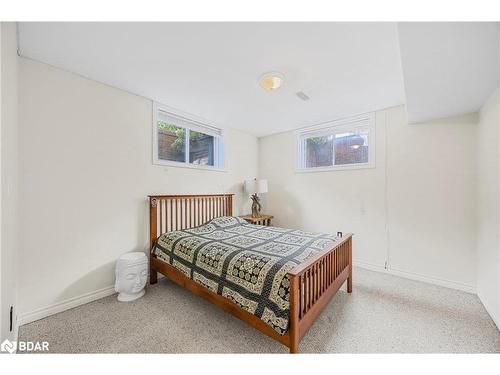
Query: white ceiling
[(211, 69), (449, 68)]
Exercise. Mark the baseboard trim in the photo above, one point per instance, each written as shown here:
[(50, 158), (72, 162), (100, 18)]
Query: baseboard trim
[(16, 330), (495, 316), (55, 308), (416, 276)]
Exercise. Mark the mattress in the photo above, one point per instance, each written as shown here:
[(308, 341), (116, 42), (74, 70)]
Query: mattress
[(248, 264)]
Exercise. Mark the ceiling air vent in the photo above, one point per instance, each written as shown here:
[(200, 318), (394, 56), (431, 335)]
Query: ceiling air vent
[(302, 96)]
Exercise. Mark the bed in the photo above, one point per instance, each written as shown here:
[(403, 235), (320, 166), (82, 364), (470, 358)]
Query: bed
[(276, 279)]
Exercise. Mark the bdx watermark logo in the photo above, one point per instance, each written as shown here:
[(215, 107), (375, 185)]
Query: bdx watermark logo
[(24, 346)]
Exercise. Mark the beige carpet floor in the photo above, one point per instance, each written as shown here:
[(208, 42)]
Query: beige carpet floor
[(385, 314)]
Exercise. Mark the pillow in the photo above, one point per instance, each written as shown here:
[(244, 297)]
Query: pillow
[(227, 221)]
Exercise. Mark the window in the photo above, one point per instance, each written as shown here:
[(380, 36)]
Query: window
[(180, 140), (343, 144)]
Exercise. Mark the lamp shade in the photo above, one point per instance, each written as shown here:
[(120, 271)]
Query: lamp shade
[(261, 186), (255, 186)]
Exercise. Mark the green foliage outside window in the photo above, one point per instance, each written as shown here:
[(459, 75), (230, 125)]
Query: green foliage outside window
[(180, 134), (317, 141)]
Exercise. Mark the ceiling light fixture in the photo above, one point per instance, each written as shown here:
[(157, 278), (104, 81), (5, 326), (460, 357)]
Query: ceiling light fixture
[(271, 81)]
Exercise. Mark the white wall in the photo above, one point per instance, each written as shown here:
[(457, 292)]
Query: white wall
[(85, 172), (415, 210), (431, 179), (488, 223), (9, 185)]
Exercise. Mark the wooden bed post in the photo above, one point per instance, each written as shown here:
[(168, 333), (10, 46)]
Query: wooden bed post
[(153, 275), (349, 279), (294, 314)]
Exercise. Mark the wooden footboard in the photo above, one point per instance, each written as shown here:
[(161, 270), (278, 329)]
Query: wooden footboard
[(314, 283)]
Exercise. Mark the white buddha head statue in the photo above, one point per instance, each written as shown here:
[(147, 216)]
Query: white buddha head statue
[(131, 276)]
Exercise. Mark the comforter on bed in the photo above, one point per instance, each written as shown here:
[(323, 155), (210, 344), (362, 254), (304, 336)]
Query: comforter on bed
[(245, 263)]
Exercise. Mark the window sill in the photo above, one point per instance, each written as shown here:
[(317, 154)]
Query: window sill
[(165, 163), (335, 168)]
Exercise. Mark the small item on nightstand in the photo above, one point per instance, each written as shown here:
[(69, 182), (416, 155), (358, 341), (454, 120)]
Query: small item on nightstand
[(131, 274), (255, 187)]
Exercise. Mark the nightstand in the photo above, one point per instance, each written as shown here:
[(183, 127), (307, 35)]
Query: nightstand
[(260, 220)]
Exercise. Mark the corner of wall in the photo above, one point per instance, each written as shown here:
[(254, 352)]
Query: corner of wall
[(493, 313), (488, 206)]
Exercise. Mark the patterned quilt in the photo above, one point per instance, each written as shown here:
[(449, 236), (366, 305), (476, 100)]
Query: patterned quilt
[(245, 263)]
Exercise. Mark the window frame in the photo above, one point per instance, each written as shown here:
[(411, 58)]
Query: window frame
[(190, 123), (350, 124)]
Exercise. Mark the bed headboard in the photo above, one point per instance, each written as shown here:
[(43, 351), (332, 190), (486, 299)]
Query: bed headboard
[(174, 212)]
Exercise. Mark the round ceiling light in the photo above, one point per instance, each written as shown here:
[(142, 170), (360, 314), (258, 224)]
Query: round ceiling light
[(271, 81)]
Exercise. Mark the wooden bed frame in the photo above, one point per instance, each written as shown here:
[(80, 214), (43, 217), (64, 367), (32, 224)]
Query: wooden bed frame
[(313, 282)]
